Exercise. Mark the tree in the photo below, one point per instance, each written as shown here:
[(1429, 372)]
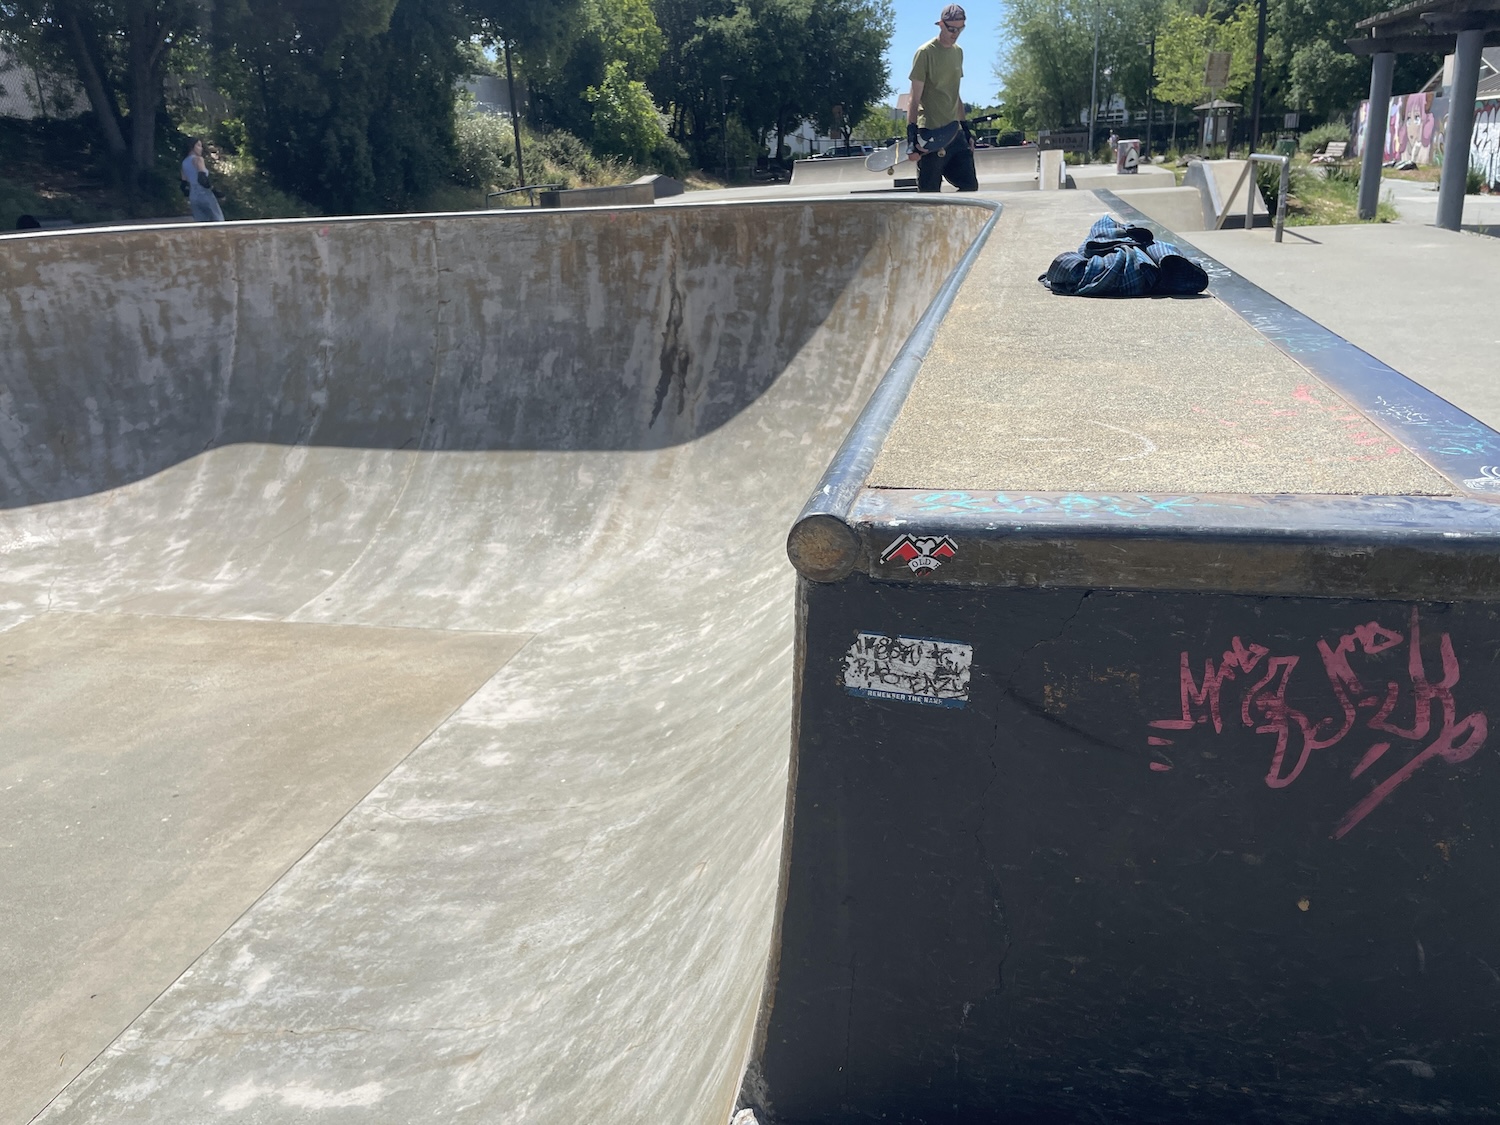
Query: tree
[(347, 104), (845, 62), (1182, 53), (119, 50), (1321, 76), (1047, 70), (626, 121), (768, 64), (619, 33)]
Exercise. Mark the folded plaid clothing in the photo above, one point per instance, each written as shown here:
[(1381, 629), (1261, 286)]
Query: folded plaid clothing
[(1117, 260)]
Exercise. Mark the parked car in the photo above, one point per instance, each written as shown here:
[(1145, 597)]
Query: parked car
[(841, 150)]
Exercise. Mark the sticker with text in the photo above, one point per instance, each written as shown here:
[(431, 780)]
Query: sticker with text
[(920, 552), (910, 669)]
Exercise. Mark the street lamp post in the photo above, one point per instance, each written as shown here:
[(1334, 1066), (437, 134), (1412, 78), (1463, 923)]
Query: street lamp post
[(1150, 89), (515, 116), (1094, 86), (724, 105), (1260, 56)]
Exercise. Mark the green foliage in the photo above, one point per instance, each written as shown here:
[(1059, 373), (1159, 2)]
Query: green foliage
[(1047, 70), (1329, 195), (17, 200), (1316, 140), (1473, 181), (626, 120), (1268, 179), (246, 192), (1183, 48), (767, 64), (1047, 65), (119, 51), (629, 34), (619, 33), (349, 105), (1321, 76), (878, 123), (485, 147)]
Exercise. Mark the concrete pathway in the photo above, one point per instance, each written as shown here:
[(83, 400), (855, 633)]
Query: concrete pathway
[(1416, 202), (1419, 298)]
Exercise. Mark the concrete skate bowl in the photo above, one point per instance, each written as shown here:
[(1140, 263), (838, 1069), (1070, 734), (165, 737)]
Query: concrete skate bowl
[(395, 649)]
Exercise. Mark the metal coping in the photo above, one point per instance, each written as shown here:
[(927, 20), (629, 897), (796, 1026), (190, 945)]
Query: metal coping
[(493, 214), (820, 540), (848, 526)]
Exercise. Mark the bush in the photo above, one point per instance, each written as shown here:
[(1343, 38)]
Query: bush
[(245, 192), (1316, 140), (670, 159), (1473, 181), (486, 151), (626, 120), (487, 158)]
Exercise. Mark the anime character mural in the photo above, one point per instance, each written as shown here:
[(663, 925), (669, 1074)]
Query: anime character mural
[(1415, 128)]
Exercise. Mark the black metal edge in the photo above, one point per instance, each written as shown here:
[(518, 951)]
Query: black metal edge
[(820, 543), (1460, 447), (1273, 564)]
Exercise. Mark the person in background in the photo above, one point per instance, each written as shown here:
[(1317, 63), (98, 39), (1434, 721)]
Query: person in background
[(935, 72), (195, 179)]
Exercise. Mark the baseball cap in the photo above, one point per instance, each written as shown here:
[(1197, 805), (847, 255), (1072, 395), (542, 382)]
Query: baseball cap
[(953, 12)]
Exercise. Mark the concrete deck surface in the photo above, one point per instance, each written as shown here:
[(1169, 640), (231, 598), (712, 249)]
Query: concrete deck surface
[(1026, 390), (395, 650)]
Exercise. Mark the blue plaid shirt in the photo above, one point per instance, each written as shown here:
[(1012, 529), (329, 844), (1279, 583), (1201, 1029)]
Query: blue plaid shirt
[(1123, 261)]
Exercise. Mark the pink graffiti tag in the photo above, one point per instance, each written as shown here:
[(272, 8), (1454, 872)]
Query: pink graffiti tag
[(1264, 708)]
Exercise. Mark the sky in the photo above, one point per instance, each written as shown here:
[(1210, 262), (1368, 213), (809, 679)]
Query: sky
[(916, 23)]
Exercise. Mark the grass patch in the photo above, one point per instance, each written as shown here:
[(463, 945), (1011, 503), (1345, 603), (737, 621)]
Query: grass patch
[(1425, 173), (1329, 199)]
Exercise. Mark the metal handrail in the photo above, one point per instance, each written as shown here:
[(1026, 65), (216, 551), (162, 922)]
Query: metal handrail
[(533, 188), (1250, 192)]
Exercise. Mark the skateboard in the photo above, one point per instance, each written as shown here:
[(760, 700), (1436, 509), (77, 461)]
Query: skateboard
[(928, 140)]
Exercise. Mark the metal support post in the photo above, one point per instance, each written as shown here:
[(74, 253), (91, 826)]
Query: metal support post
[(1250, 189), (1150, 89), (1466, 56), (1372, 155)]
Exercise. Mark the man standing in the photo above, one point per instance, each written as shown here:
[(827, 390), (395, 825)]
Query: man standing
[(935, 72)]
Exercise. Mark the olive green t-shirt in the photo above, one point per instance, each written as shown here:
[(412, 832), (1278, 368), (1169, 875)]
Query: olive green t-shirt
[(938, 69)]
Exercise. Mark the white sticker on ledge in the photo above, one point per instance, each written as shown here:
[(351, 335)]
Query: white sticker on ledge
[(912, 669)]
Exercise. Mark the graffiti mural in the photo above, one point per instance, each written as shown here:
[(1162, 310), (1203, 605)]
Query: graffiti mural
[(1484, 150), (1416, 128)]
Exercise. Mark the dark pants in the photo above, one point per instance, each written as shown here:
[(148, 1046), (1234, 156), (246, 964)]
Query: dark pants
[(956, 166)]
